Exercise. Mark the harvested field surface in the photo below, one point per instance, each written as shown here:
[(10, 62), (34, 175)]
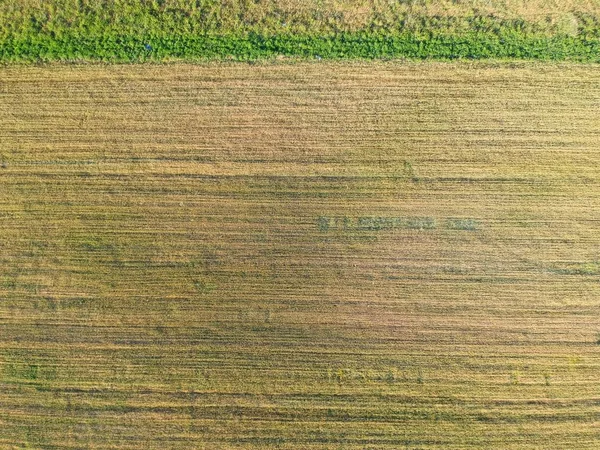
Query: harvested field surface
[(300, 256)]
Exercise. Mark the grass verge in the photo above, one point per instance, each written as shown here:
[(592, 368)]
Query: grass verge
[(359, 45)]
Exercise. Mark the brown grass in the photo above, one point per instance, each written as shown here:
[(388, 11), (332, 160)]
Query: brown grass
[(164, 281)]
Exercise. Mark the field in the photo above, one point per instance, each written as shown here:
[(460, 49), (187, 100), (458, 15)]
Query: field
[(325, 255)]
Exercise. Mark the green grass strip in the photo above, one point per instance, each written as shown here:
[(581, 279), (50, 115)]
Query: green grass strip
[(71, 46)]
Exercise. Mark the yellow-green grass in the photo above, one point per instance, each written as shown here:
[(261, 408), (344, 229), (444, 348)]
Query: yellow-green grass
[(302, 256), (283, 16)]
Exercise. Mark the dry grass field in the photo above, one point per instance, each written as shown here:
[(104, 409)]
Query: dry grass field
[(300, 256)]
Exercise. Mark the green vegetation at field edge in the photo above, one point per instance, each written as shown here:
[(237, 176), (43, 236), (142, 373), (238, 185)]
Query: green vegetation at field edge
[(358, 45), (96, 30)]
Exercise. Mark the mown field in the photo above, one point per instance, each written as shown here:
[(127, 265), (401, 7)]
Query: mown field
[(300, 256)]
